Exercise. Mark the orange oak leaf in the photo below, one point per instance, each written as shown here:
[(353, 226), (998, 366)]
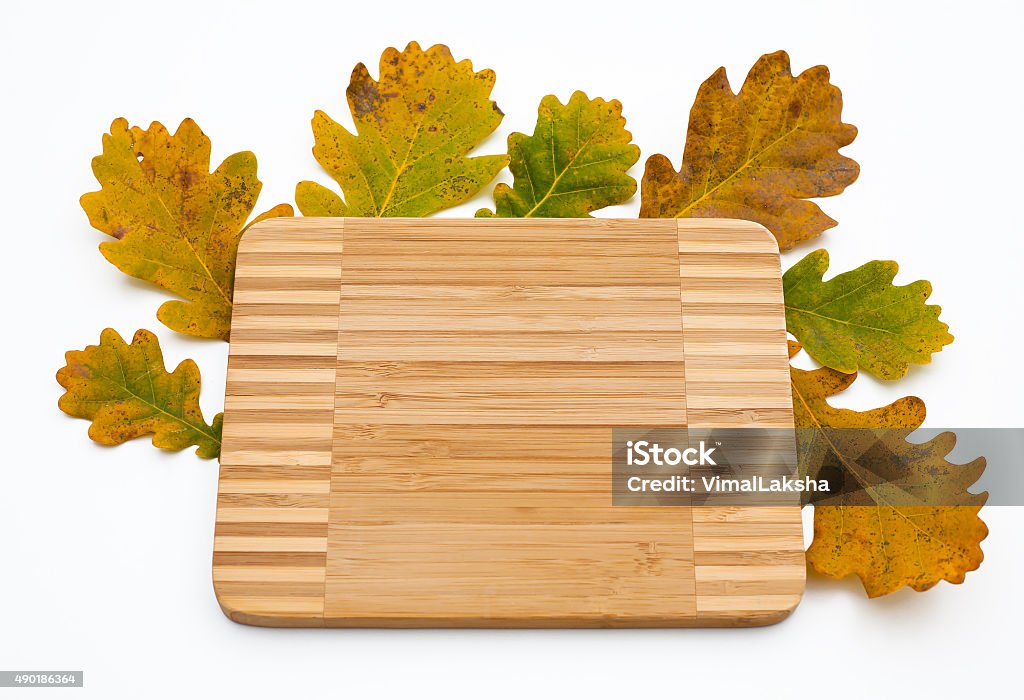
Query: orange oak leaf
[(759, 154), (888, 543)]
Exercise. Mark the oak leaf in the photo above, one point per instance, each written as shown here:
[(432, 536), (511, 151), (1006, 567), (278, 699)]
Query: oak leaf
[(574, 163), (887, 542), (758, 154), (859, 319), (176, 224), (126, 392), (414, 127)]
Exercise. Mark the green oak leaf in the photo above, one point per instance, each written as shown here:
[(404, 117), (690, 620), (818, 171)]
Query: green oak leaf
[(126, 392), (859, 319), (574, 163)]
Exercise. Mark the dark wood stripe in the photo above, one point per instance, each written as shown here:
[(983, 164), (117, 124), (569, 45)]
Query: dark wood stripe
[(274, 500), (306, 559), (272, 529)]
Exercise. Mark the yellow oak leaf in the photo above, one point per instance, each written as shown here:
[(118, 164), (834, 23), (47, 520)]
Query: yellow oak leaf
[(414, 127), (759, 154), (176, 224), (126, 392), (878, 531)]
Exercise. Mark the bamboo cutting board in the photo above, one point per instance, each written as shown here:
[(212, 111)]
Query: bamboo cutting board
[(418, 423)]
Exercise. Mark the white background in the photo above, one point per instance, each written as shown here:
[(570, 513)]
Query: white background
[(105, 553)]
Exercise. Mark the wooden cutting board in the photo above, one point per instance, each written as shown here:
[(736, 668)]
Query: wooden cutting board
[(418, 419)]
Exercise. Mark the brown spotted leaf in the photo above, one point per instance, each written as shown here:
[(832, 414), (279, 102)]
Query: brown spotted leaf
[(126, 392), (877, 531), (759, 154), (176, 224), (414, 129)]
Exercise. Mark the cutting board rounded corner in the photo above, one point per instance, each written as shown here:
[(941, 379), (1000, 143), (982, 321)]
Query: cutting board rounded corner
[(746, 236), (271, 229), (786, 611), (266, 612), (785, 606)]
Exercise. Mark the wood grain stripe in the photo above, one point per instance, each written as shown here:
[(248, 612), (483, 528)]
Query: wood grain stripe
[(271, 539), (738, 375)]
